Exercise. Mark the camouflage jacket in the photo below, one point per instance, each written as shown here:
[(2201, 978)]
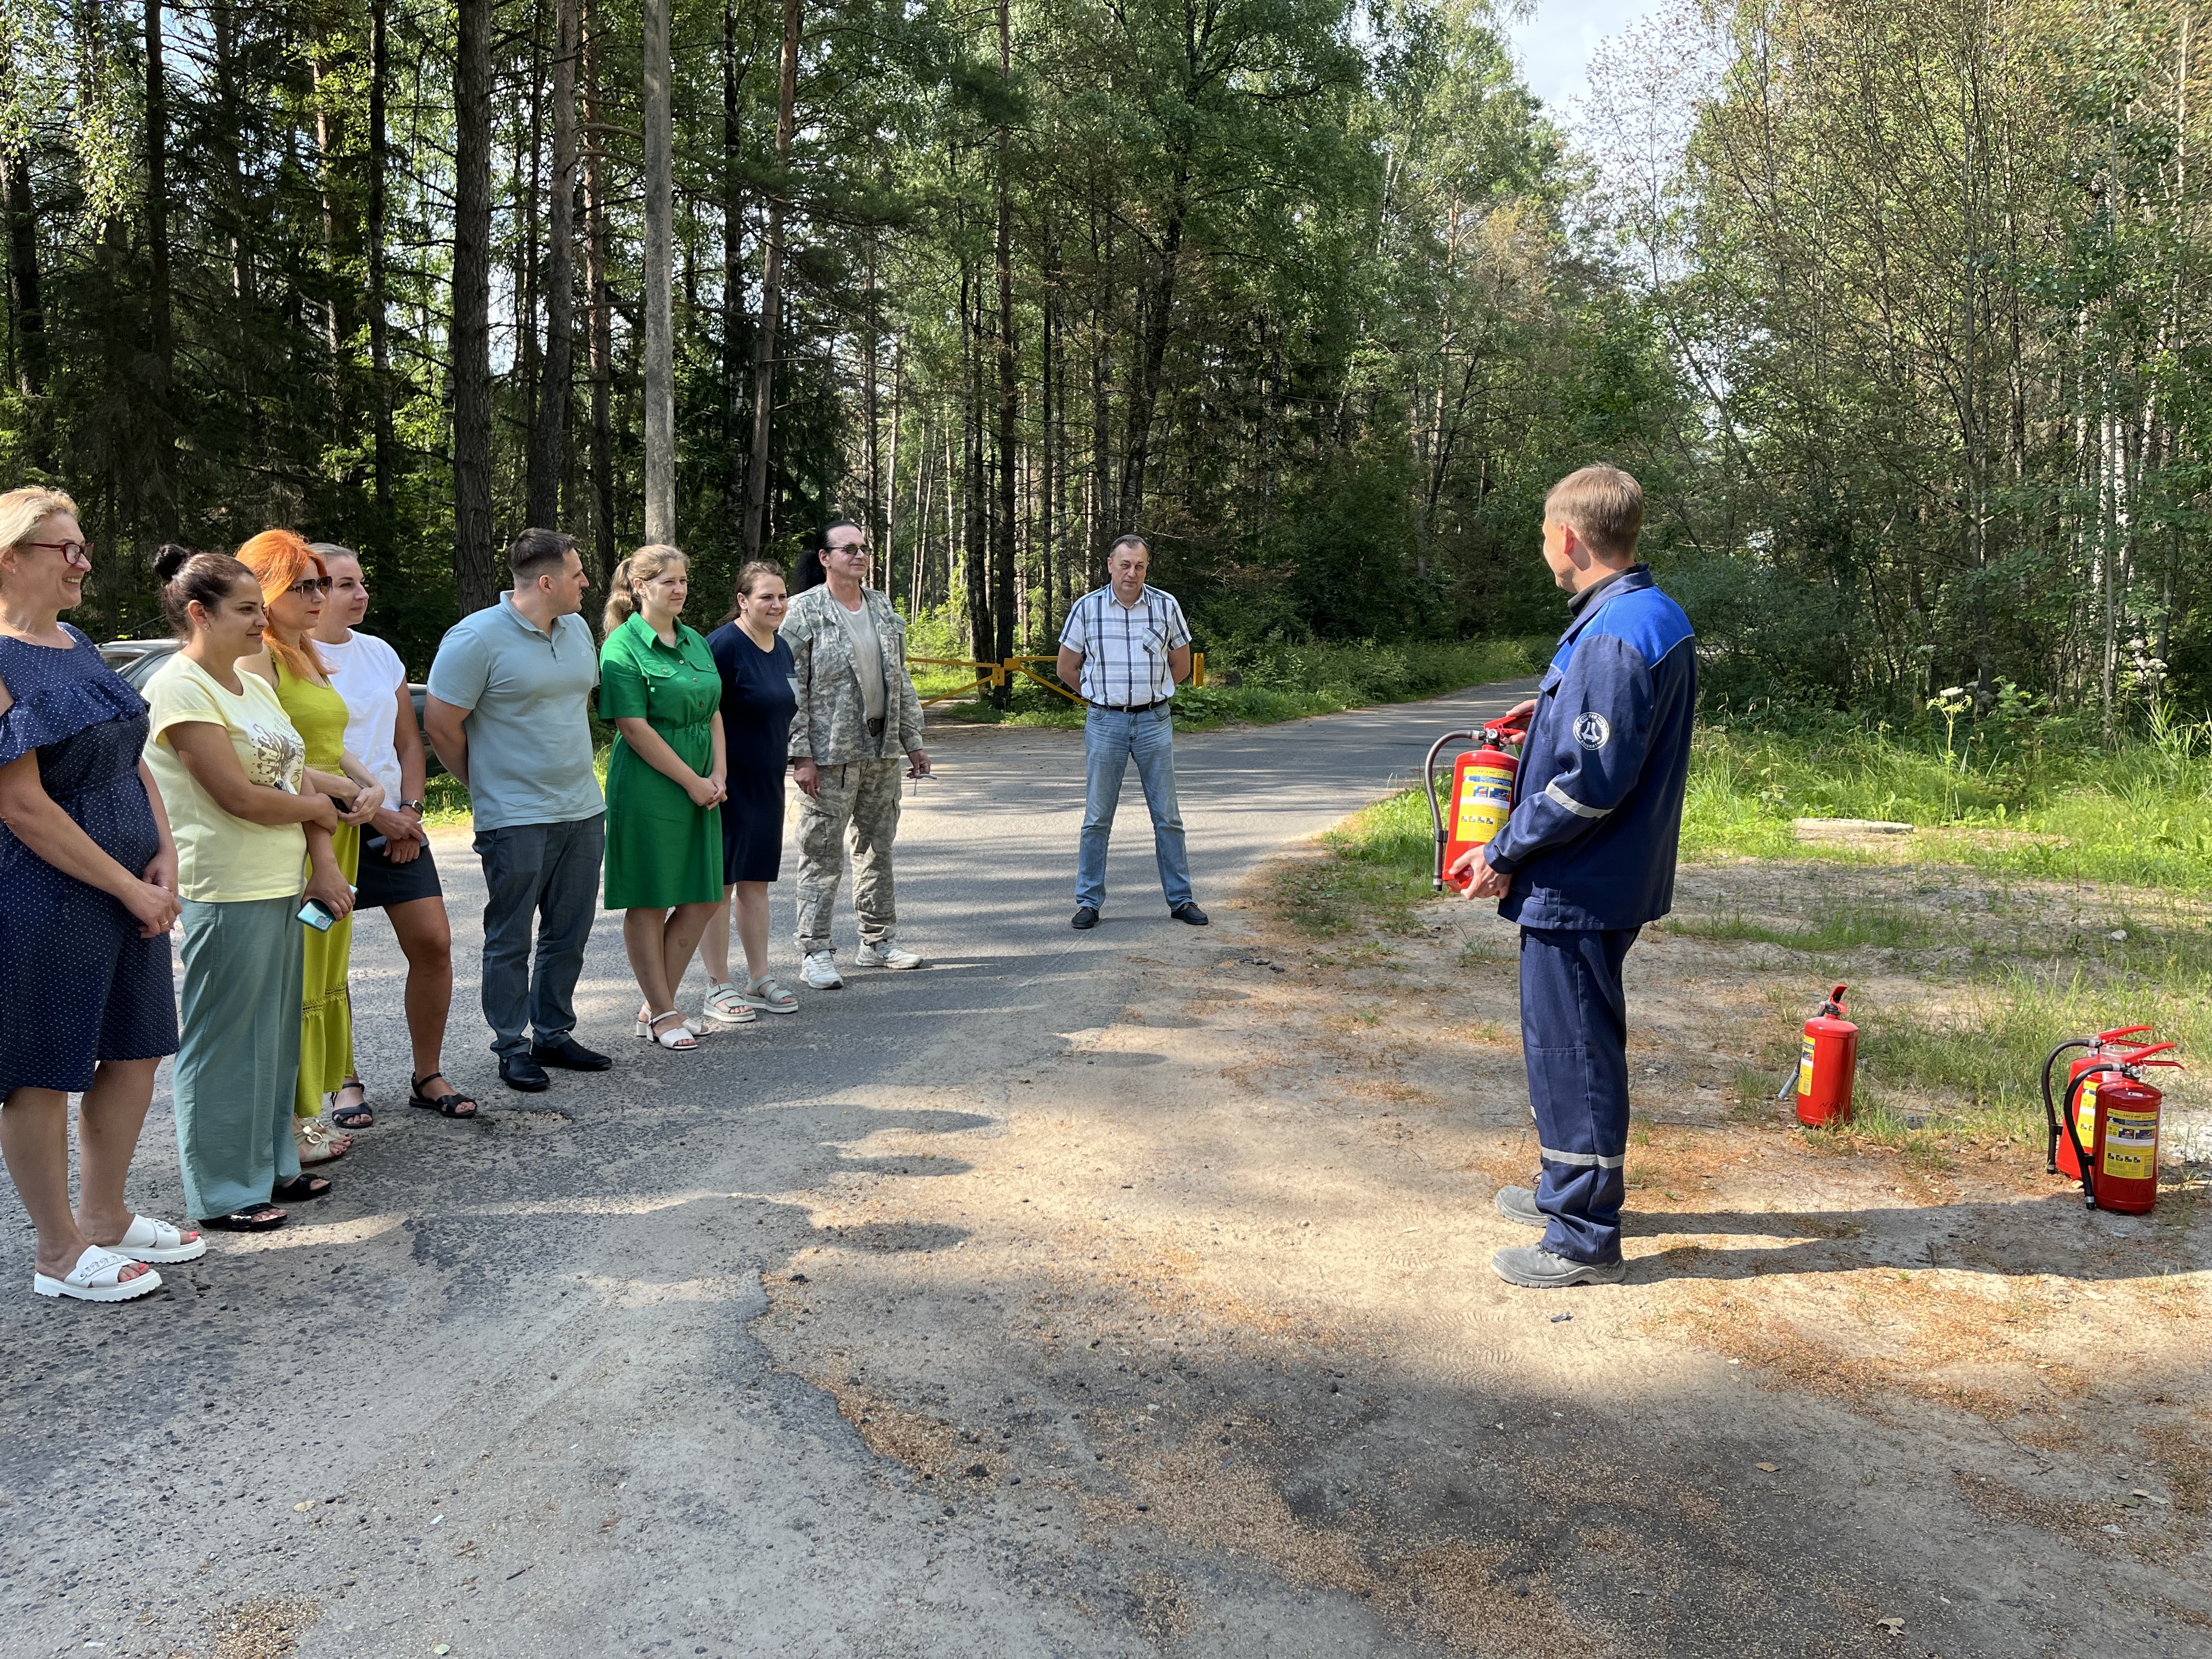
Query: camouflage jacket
[(830, 724)]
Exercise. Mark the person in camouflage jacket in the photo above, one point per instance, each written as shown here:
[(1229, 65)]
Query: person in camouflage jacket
[(857, 725)]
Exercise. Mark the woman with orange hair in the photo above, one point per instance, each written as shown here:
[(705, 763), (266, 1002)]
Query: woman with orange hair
[(294, 587)]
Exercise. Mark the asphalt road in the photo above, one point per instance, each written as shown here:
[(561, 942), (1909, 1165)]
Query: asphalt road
[(498, 1391)]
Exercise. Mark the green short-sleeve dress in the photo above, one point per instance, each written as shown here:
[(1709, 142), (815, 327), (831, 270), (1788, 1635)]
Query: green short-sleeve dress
[(319, 714), (661, 850)]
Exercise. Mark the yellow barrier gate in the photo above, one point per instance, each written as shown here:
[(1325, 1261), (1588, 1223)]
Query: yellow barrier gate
[(994, 675)]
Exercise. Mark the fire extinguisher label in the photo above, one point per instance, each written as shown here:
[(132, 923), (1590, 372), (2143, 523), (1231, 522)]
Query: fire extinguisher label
[(1805, 1067), (1484, 807), (2131, 1145), (2085, 1114)]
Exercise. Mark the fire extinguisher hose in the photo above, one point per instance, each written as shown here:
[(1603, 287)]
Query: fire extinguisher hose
[(2049, 1111), (2074, 1130)]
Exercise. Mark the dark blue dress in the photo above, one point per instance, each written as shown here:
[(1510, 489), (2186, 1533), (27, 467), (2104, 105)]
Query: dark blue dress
[(77, 984), (757, 704)]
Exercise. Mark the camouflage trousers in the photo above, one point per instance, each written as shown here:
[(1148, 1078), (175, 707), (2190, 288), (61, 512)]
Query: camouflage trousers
[(862, 797)]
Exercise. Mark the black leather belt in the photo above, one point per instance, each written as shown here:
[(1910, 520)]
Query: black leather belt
[(1129, 707)]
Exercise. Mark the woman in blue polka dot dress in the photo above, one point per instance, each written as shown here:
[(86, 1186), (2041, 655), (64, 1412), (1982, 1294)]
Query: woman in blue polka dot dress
[(87, 896)]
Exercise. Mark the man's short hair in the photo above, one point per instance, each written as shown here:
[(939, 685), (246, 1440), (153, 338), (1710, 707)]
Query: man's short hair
[(539, 552), (1130, 540), (1602, 504)]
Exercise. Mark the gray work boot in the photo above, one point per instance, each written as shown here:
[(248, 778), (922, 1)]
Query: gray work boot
[(1519, 1204), (1536, 1268)]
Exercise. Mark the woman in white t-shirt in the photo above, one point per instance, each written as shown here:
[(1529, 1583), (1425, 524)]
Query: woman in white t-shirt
[(230, 767), (397, 874)]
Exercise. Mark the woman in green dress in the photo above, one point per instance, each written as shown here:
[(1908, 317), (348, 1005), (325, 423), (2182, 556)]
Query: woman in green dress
[(659, 684), (294, 587)]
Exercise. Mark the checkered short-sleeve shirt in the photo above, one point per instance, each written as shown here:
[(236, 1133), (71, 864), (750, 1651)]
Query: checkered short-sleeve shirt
[(1125, 647)]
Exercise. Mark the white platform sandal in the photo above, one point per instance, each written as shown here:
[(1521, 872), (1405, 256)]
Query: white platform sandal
[(680, 1037), (149, 1240), (98, 1277)]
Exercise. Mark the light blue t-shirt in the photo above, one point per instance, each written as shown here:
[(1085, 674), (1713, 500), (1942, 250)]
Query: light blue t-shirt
[(529, 695)]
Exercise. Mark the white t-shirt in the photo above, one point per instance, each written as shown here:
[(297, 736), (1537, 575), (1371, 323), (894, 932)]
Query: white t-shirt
[(867, 656), (368, 674)]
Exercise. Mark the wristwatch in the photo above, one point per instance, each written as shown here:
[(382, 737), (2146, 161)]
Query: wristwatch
[(414, 806)]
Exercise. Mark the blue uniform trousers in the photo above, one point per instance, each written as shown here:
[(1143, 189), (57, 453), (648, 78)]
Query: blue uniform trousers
[(1574, 1033)]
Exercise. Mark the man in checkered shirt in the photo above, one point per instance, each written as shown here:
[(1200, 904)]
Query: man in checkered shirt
[(1125, 646)]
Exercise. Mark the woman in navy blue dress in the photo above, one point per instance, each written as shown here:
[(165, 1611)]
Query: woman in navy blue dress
[(758, 700), (87, 896)]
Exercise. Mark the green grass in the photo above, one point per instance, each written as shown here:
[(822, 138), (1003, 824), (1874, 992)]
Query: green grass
[(1374, 871), (2046, 801), (1279, 683)]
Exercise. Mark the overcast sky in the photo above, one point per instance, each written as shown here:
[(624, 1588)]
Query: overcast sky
[(1554, 46)]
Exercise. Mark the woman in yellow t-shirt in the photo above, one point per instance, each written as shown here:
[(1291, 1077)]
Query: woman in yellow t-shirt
[(294, 587), (230, 767)]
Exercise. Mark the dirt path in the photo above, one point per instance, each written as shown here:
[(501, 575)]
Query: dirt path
[(1221, 1301)]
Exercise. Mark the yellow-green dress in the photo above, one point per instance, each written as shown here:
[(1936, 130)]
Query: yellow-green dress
[(325, 1011), (662, 851)]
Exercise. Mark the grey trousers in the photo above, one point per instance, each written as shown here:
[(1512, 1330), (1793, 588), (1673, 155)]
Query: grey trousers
[(862, 797), (548, 873)]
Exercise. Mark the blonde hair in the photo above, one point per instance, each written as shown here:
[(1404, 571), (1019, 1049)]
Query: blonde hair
[(278, 558), (22, 511), (1602, 504), (641, 566)]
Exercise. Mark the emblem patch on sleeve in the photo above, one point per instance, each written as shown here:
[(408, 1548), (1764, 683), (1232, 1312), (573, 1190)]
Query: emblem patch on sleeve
[(1592, 730)]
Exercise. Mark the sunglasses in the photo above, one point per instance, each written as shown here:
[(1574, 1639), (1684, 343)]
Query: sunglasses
[(307, 585)]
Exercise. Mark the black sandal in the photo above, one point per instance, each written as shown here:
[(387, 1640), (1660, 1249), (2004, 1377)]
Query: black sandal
[(353, 1118), (256, 1219), (446, 1105), (300, 1189)]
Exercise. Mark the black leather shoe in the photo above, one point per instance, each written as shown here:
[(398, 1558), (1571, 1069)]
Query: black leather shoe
[(569, 1055), (521, 1072), (1187, 911), (1085, 916)]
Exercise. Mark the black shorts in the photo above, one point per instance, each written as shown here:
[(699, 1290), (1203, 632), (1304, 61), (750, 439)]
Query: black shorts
[(383, 883)]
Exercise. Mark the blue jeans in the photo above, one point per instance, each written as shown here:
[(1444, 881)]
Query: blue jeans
[(1111, 739), (1574, 1035), (548, 874)]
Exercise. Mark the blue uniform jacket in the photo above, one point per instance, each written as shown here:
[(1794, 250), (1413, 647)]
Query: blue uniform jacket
[(1597, 803)]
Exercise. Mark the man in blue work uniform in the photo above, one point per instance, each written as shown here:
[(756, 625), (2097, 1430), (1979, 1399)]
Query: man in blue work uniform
[(1586, 859)]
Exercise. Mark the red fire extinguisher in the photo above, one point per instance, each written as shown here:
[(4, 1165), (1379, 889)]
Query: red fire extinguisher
[(2119, 1167), (1481, 794), (2058, 1158), (1827, 1064)]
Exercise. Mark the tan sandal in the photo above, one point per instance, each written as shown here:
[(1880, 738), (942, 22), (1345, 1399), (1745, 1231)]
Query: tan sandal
[(316, 1144)]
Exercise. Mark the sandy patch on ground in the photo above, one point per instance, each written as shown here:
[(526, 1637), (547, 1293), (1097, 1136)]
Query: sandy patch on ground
[(1222, 1283)]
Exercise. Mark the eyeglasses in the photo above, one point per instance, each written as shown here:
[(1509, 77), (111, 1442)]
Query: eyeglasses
[(857, 549), (76, 553), (307, 585)]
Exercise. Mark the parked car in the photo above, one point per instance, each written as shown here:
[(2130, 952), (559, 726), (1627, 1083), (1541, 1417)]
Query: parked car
[(137, 660)]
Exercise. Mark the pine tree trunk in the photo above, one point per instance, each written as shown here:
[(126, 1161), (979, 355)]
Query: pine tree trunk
[(23, 279), (660, 294), (733, 274), (549, 438), (379, 330), (601, 346), (473, 577), (771, 312), (1004, 555), (160, 333)]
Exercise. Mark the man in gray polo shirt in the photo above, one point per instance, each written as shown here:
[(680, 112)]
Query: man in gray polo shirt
[(509, 713)]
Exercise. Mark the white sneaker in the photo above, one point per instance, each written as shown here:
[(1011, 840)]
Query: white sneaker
[(726, 1004), (820, 971), (885, 955)]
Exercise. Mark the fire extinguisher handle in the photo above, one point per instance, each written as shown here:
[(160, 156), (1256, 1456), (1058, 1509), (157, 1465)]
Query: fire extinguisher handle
[(2123, 1031), (2142, 1056)]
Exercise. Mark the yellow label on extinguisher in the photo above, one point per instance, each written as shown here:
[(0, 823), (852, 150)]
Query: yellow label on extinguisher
[(2085, 1114), (1484, 804), (1805, 1067), (2130, 1146)]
